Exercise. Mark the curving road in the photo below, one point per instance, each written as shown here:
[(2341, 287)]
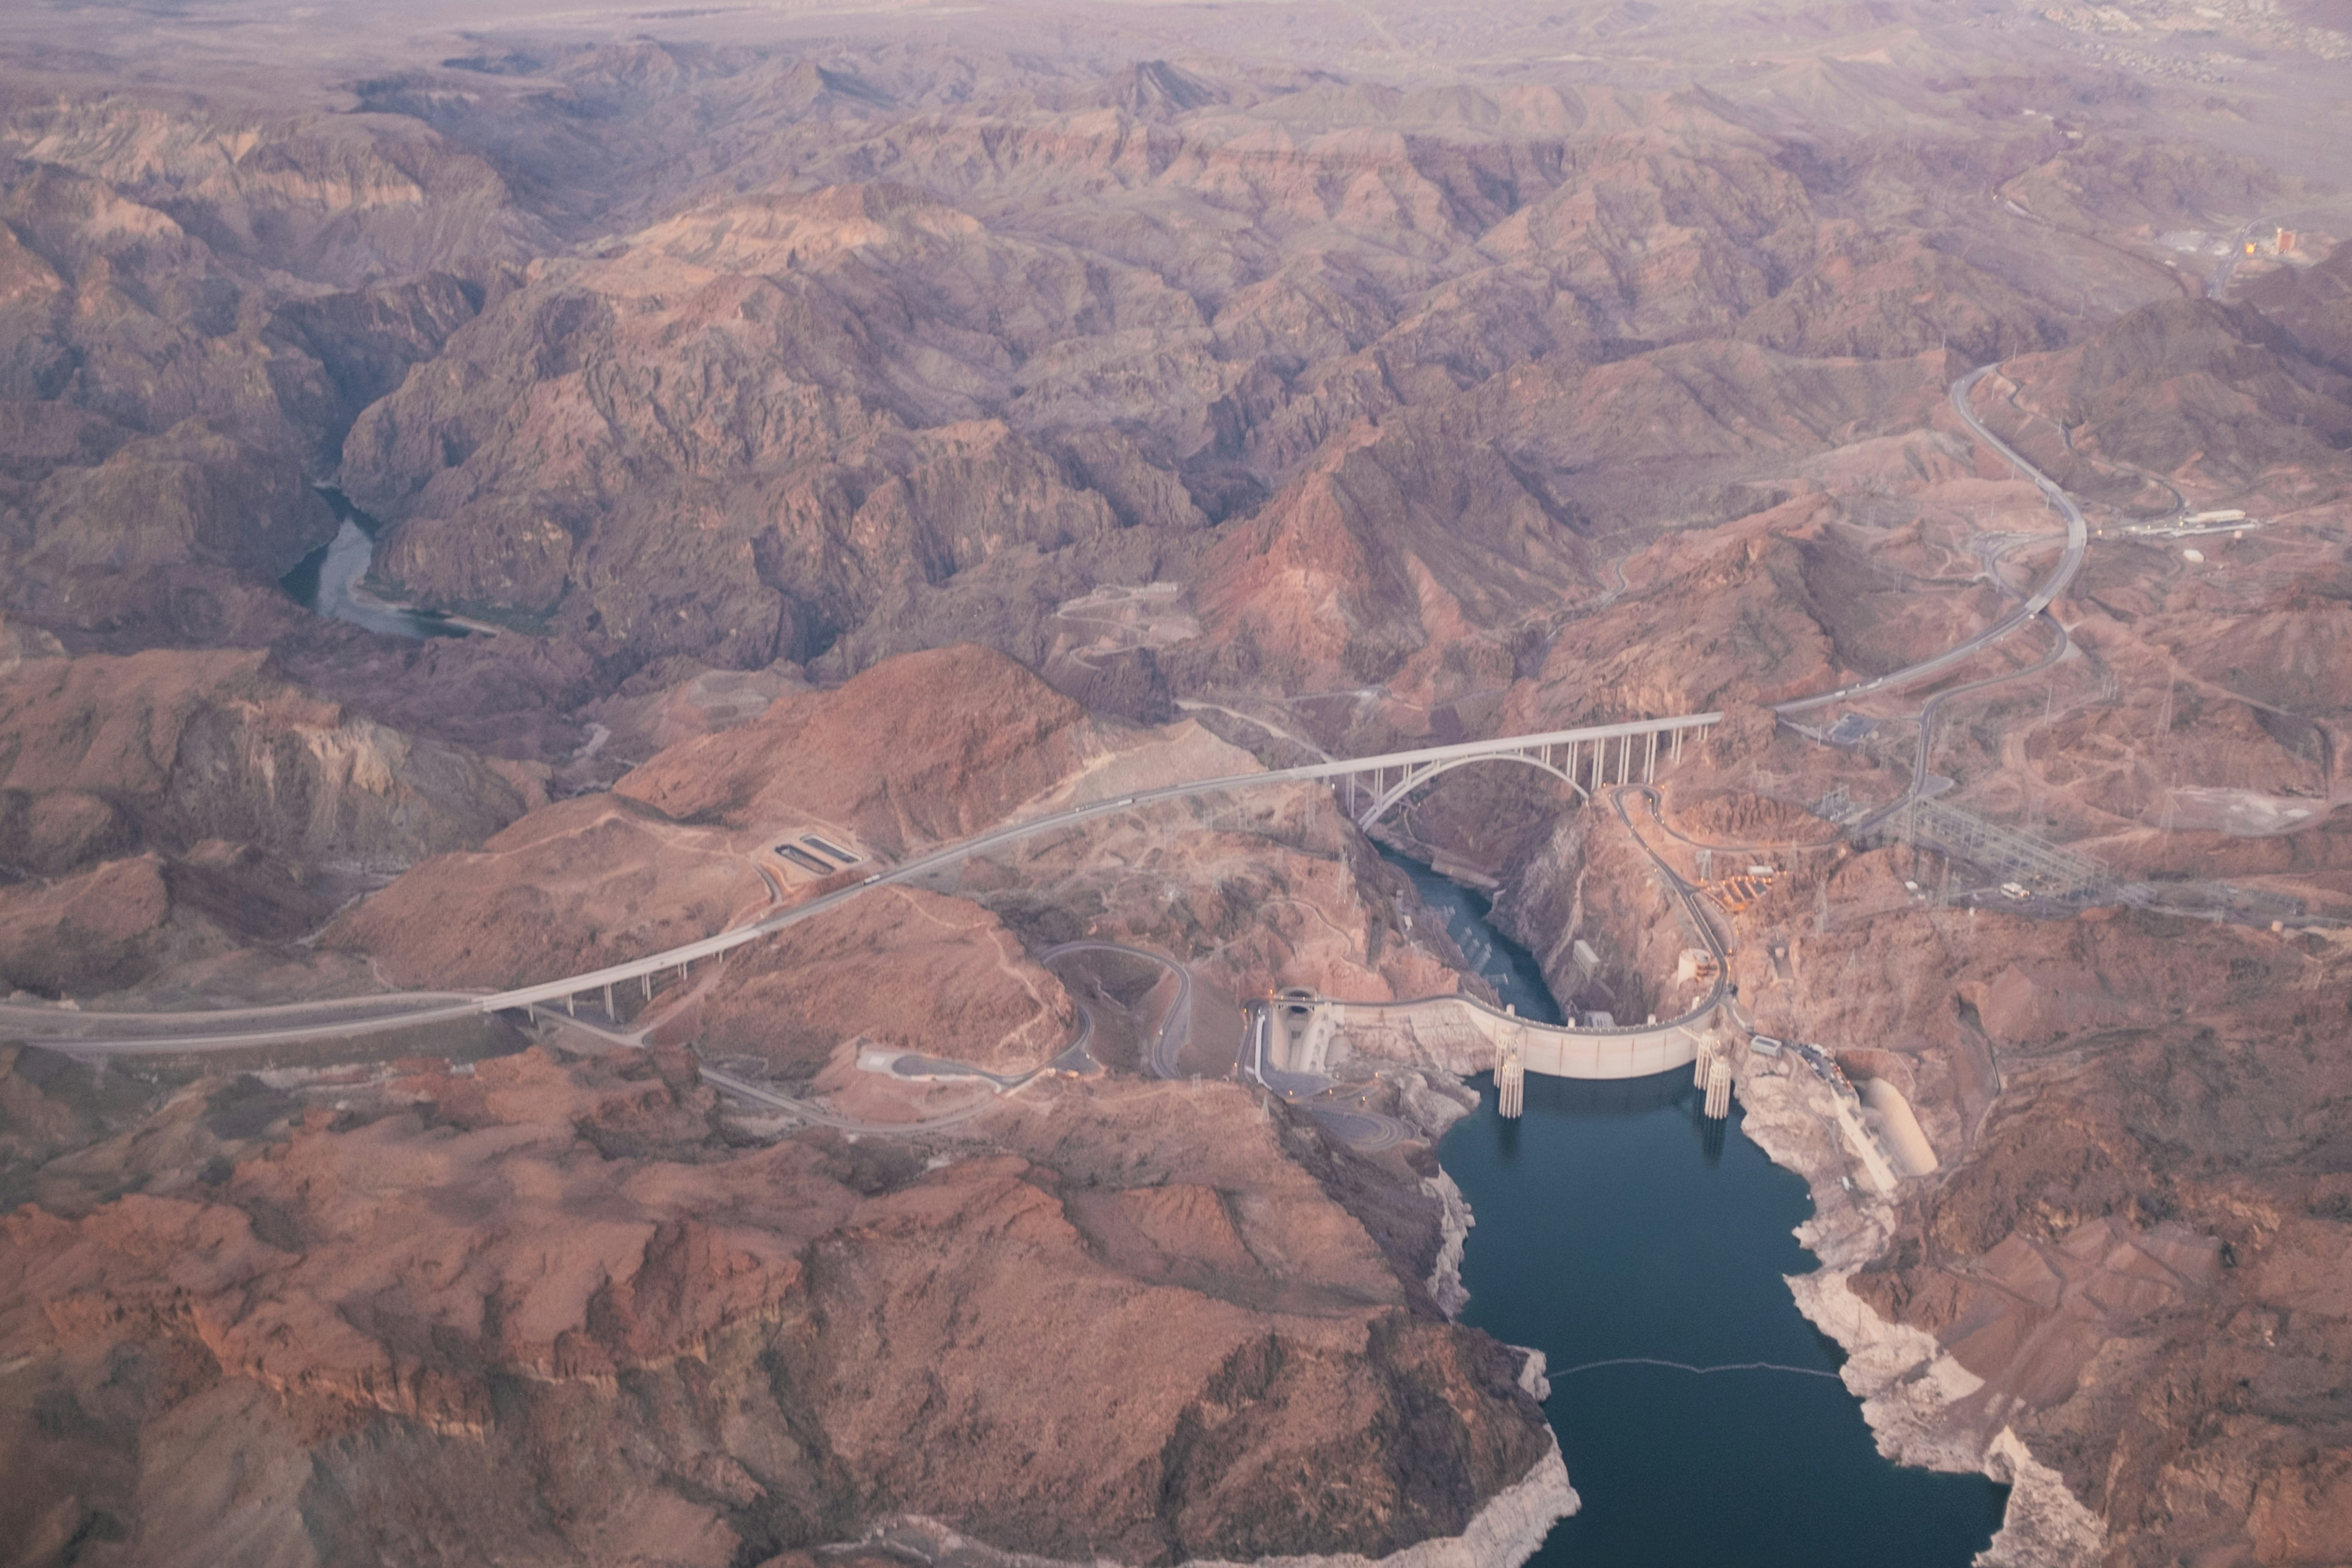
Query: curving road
[(78, 1032), (1366, 1131), (726, 1083), (2078, 538), (1692, 906), (2035, 605), (1175, 1025), (91, 1034), (1934, 705)]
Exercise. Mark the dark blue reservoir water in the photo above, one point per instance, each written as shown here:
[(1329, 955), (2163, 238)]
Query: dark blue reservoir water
[(1617, 1224)]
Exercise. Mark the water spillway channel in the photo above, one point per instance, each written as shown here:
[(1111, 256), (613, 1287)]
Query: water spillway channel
[(1632, 1242)]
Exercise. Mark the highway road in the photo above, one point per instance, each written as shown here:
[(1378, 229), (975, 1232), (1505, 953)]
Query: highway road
[(1928, 713), (736, 1088), (1694, 907), (2070, 561), (1366, 1131), (94, 1033), (1073, 1058), (50, 1015), (87, 1033), (1175, 1024), (2035, 605)]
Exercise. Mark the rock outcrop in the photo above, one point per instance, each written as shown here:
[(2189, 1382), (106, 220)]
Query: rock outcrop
[(892, 435), (492, 1274), (169, 805)]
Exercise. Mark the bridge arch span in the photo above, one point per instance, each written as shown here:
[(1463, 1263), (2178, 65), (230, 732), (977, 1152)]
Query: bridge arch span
[(1587, 760), (1387, 800)]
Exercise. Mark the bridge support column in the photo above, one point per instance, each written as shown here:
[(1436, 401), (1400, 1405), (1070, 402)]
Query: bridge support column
[(649, 979), (571, 1006), (1650, 760), (1674, 749), (609, 1011)]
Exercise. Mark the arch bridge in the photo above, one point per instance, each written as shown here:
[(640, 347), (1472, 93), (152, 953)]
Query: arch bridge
[(1587, 759)]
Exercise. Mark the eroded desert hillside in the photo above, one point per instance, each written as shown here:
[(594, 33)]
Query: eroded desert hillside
[(860, 469)]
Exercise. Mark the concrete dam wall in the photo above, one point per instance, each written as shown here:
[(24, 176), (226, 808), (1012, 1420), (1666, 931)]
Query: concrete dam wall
[(1464, 1036)]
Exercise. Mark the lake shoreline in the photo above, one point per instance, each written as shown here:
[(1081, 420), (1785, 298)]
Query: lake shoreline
[(1623, 1236), (1905, 1379)]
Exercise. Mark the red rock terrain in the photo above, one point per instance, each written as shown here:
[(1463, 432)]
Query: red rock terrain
[(161, 808), (862, 426), (578, 1322)]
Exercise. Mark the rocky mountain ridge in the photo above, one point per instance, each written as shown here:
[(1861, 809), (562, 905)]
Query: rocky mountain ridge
[(858, 426)]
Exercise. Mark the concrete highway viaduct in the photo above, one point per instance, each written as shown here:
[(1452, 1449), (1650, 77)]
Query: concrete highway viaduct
[(1616, 761)]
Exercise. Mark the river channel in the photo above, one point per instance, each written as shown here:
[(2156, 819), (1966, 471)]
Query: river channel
[(328, 580), (1617, 1226)]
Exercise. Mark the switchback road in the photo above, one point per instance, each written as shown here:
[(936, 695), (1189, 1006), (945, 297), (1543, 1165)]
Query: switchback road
[(1175, 1024)]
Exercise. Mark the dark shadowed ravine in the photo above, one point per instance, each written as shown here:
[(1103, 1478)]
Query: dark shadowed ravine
[(1632, 1242)]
